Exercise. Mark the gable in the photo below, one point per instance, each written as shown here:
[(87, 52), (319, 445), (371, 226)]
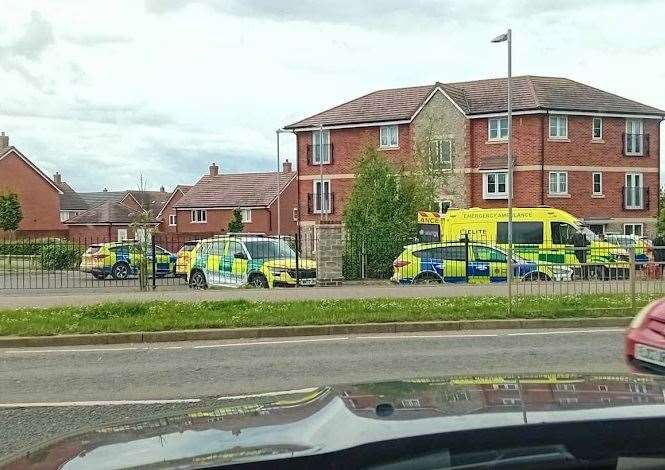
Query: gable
[(13, 155)]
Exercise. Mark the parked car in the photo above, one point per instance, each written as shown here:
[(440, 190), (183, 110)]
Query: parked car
[(423, 263), (645, 339), (248, 260), (642, 245), (123, 259), (183, 258)]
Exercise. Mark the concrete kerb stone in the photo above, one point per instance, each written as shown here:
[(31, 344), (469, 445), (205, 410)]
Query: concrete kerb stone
[(306, 330)]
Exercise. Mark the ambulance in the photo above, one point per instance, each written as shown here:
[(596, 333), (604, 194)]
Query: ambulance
[(539, 234)]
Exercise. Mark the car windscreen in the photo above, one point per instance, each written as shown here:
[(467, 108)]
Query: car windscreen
[(92, 249), (269, 249)]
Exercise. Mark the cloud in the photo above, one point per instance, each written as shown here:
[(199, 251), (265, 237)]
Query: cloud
[(97, 39), (37, 36)]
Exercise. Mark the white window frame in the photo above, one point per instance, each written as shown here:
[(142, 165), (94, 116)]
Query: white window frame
[(495, 194), (64, 215), (440, 163), (122, 234), (325, 152), (318, 210), (506, 386), (199, 216), (173, 220), (384, 131), (498, 137), (633, 225), (564, 387), (511, 401), (568, 400), (640, 192), (246, 215), (640, 141), (602, 388), (593, 128), (635, 387), (593, 183), (557, 184), (559, 118)]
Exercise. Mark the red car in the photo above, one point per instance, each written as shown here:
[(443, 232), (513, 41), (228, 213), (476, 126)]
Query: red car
[(645, 339)]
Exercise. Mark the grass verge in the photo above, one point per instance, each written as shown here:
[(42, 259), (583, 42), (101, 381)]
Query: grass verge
[(165, 315)]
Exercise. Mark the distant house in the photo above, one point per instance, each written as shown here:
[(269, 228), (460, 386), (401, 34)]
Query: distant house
[(167, 215), (109, 221), (38, 195), (208, 205)]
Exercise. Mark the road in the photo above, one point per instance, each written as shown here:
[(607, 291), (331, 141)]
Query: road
[(46, 392)]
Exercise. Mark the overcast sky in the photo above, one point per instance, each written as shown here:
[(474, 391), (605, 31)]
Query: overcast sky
[(104, 91)]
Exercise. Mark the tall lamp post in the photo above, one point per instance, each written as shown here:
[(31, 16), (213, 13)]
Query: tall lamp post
[(507, 37)]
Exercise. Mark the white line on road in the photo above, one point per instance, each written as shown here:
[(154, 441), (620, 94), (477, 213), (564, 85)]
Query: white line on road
[(257, 343), (269, 394), (497, 335), (60, 404)]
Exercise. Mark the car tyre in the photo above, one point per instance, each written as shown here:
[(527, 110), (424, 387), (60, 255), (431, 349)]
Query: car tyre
[(197, 280), (99, 276), (537, 276), (258, 280), (120, 271), (427, 278)]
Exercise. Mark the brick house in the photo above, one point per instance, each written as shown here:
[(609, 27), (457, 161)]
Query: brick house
[(109, 221), (38, 195), (575, 147), (167, 214), (207, 207)]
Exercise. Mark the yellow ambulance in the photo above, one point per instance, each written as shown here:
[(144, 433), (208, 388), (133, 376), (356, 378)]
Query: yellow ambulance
[(539, 234)]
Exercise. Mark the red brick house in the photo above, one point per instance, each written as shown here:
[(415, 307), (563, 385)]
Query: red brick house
[(38, 195), (207, 207), (167, 214), (575, 147), (107, 222)]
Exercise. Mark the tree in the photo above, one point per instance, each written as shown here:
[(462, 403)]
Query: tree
[(10, 212), (143, 223), (235, 224), (381, 214), (660, 222)]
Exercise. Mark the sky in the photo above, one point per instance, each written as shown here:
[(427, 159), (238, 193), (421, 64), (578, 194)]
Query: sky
[(104, 92)]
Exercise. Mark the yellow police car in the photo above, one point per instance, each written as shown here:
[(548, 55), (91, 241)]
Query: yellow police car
[(258, 261), (123, 259), (475, 263)]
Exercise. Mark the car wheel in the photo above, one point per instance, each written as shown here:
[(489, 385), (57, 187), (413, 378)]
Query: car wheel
[(120, 271), (258, 280), (537, 276), (198, 280), (427, 278), (99, 276)]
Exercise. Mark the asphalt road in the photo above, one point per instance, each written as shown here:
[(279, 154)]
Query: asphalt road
[(46, 392)]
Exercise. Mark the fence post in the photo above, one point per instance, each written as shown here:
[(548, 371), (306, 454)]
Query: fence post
[(297, 250), (363, 259), (465, 239), (632, 274), (154, 262)]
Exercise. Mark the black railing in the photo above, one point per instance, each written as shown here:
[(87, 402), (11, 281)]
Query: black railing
[(635, 198), (635, 145), (317, 204), (325, 151)]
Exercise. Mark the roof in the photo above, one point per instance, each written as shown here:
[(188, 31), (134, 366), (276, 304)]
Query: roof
[(479, 97), (154, 200), (108, 212), (235, 190), (69, 199), (96, 198), (182, 188), (26, 160)]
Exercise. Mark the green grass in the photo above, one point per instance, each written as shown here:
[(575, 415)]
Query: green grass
[(165, 315)]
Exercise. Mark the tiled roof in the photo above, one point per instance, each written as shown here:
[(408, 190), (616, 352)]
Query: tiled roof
[(234, 190), (106, 213), (479, 97), (98, 197), (154, 200), (70, 199)]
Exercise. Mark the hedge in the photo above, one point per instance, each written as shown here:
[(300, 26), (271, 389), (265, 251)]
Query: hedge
[(61, 256)]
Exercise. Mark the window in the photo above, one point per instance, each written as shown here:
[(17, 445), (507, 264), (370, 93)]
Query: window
[(122, 234), (444, 205), (495, 185), (451, 253), (568, 400), (321, 197), (199, 216), (488, 255), (246, 215), (558, 127), (597, 183), (632, 229), (411, 403), (564, 387), (597, 129), (389, 137), (634, 137), (605, 400), (633, 192), (511, 401), (497, 128), (637, 388), (172, 219), (440, 154), (598, 229), (558, 182), (529, 233), (273, 249), (562, 233), (64, 215), (504, 386), (602, 388), (428, 233), (320, 147)]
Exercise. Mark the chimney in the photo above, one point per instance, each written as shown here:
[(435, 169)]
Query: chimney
[(214, 170), (4, 141), (287, 167), (161, 189), (57, 178)]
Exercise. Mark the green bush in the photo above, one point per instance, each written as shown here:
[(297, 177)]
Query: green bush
[(22, 248), (61, 256)]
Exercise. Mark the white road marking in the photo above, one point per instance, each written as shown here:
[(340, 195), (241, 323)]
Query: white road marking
[(60, 404), (385, 336), (269, 394)]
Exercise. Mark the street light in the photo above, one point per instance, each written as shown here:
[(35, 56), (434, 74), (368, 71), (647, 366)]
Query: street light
[(507, 37)]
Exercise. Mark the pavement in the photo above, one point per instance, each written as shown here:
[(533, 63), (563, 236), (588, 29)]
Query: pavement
[(12, 298), (50, 391)]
